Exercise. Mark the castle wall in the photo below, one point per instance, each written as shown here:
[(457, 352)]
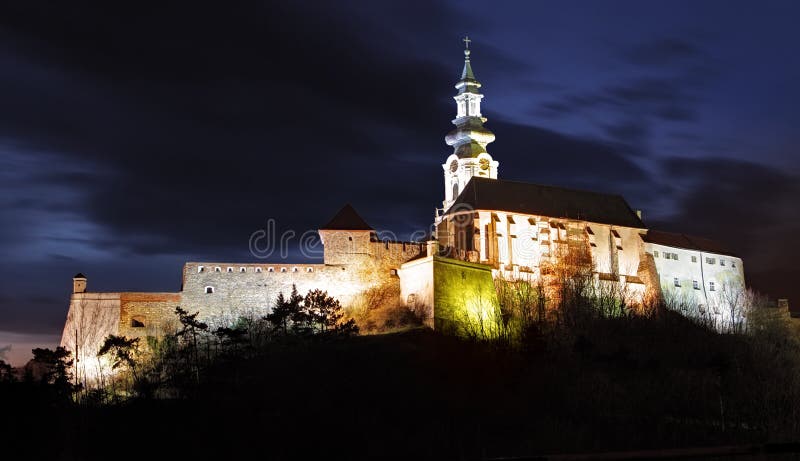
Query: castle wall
[(91, 317), (147, 314)]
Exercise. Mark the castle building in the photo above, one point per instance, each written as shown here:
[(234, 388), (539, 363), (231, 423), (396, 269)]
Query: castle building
[(488, 228)]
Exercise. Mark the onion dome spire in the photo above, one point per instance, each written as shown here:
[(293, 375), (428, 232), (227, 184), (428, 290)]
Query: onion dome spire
[(470, 138)]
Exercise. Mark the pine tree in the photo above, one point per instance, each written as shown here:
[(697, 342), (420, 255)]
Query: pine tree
[(326, 314)]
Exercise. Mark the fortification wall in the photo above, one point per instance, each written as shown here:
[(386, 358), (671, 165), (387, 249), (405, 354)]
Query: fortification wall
[(91, 317), (147, 314)]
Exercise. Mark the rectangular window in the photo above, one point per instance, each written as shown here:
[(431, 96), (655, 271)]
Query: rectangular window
[(721, 262), (695, 284), (710, 286), (733, 263), (694, 259), (710, 260), (677, 282), (655, 253), (675, 256)]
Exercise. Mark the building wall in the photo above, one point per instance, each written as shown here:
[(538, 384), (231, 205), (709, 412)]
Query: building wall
[(90, 319), (714, 280), (522, 243), (153, 312)]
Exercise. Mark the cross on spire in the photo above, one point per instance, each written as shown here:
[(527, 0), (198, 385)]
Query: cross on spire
[(466, 40)]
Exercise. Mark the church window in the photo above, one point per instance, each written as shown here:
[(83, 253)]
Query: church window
[(455, 190), (258, 270), (711, 286), (137, 322), (200, 269), (230, 269), (677, 282), (209, 290), (217, 269)]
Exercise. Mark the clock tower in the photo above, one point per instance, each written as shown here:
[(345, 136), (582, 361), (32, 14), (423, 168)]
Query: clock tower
[(469, 139)]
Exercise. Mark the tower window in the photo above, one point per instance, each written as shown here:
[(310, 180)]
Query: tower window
[(455, 190), (209, 290), (200, 269), (694, 259)]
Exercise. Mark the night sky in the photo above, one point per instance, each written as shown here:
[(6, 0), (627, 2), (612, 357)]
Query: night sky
[(133, 139)]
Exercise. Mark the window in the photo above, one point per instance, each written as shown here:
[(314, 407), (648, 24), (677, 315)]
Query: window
[(258, 270), (710, 286), (294, 269), (677, 282), (283, 269), (455, 190), (137, 322), (230, 269), (217, 269), (199, 269), (242, 269), (721, 262), (209, 290), (694, 259), (695, 284), (655, 253), (271, 269), (710, 260), (675, 256), (309, 269), (733, 263)]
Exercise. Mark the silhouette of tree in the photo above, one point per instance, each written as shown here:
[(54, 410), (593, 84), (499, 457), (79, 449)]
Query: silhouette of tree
[(122, 350), (286, 311), (325, 314), (56, 364)]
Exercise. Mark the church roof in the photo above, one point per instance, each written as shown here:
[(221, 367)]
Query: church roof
[(536, 199), (347, 219), (688, 242)]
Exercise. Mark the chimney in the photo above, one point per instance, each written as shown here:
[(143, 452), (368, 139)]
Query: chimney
[(79, 283)]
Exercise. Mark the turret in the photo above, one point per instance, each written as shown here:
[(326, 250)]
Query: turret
[(79, 283)]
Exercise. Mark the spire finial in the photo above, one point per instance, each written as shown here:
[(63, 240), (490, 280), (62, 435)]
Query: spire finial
[(466, 40)]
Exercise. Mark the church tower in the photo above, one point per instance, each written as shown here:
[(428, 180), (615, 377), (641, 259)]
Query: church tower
[(469, 139)]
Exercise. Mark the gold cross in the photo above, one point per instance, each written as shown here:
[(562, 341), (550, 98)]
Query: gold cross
[(467, 40)]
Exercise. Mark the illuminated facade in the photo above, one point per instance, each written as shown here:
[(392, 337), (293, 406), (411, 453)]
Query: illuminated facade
[(488, 228)]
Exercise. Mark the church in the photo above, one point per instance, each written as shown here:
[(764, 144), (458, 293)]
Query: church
[(488, 228)]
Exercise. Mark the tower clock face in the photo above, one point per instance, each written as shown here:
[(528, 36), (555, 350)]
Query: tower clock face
[(453, 166), (484, 163)]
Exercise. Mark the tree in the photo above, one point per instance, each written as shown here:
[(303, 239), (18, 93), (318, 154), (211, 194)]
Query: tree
[(191, 328), (56, 364), (122, 351), (286, 311), (325, 314)]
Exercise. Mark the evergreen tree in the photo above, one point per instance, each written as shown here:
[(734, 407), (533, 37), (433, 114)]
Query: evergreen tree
[(57, 364), (326, 314)]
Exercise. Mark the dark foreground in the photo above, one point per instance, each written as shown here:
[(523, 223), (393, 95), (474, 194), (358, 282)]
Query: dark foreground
[(624, 385)]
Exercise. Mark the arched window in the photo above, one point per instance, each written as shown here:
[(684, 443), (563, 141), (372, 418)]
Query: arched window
[(258, 269), (200, 269), (209, 290), (217, 269), (294, 269), (230, 269), (309, 269), (137, 322), (271, 269), (455, 190), (242, 269), (283, 269)]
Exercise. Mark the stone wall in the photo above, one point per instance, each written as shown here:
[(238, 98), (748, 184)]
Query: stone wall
[(147, 314), (91, 317)]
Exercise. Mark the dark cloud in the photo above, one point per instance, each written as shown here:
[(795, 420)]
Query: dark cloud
[(749, 207), (664, 52)]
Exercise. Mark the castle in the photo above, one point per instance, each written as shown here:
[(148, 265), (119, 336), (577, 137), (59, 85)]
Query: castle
[(487, 228)]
